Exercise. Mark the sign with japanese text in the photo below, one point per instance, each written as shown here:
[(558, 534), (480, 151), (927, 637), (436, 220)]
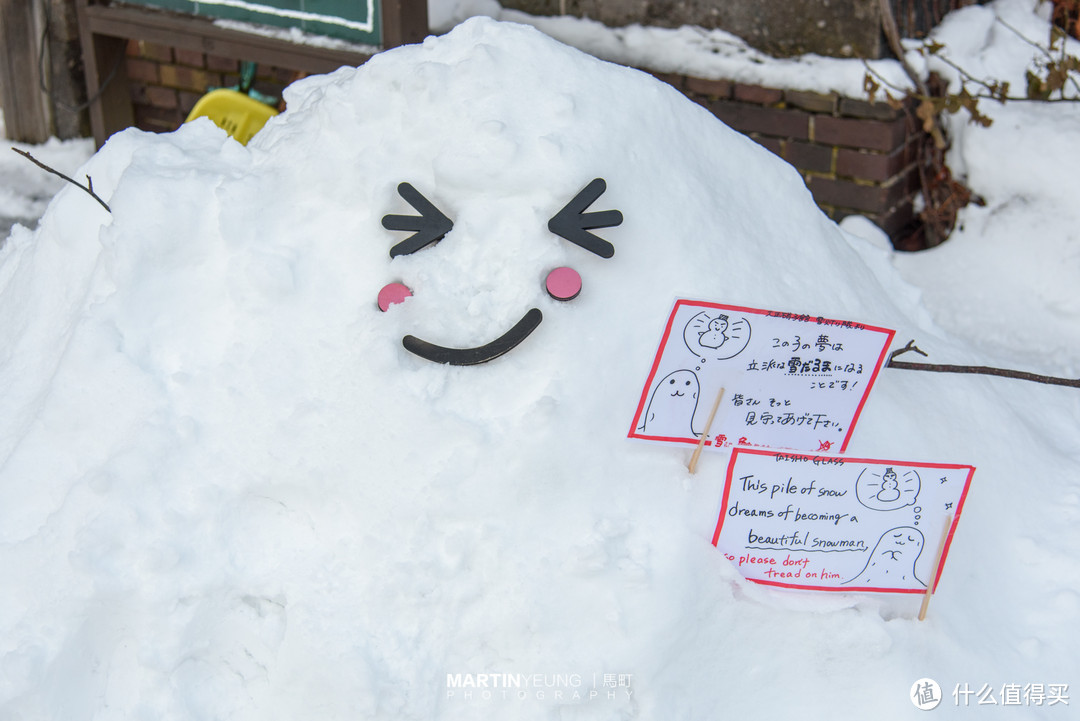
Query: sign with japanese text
[(829, 523), (790, 381)]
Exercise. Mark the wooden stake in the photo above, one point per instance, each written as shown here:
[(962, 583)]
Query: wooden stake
[(933, 572), (705, 435)]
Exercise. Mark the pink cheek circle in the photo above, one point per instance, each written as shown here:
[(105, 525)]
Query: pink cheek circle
[(563, 283), (392, 294)]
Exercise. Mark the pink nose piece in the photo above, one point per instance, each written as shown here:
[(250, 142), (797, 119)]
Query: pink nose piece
[(563, 283), (393, 293)]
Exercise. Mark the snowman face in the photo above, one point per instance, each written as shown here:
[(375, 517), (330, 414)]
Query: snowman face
[(563, 284)]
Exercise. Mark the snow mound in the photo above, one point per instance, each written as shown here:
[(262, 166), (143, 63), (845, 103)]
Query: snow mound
[(227, 491)]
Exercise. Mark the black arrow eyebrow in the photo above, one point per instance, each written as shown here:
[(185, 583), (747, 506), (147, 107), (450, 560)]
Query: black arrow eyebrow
[(430, 226), (574, 224)]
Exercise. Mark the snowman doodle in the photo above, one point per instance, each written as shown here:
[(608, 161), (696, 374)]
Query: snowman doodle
[(888, 491), (673, 405), (716, 336), (892, 562)]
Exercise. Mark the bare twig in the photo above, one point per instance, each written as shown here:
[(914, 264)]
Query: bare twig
[(1045, 52), (966, 77), (978, 370), (89, 187), (907, 349)]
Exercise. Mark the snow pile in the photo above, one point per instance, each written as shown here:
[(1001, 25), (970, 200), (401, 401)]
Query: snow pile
[(227, 491)]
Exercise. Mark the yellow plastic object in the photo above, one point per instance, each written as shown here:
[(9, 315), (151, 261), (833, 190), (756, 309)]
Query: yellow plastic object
[(237, 114)]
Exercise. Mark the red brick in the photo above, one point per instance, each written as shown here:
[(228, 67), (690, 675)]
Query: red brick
[(187, 100), (874, 166), (191, 58), (871, 111), (154, 51), (814, 102), (142, 70), (855, 133), (137, 91), (157, 120), (773, 145), (162, 97), (712, 88), (857, 196), (777, 122), (284, 76), (758, 94), (184, 78), (673, 79), (810, 157), (222, 65)]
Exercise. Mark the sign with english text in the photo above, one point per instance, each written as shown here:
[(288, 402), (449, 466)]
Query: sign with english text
[(790, 380), (830, 523)]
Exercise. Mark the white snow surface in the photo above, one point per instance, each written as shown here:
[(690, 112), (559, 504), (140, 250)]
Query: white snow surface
[(227, 491)]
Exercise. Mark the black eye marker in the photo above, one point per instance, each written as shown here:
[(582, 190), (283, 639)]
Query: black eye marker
[(430, 226), (574, 224)]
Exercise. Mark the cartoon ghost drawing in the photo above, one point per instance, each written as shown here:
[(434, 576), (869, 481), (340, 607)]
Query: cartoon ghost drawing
[(887, 491), (673, 404), (711, 335), (892, 562)]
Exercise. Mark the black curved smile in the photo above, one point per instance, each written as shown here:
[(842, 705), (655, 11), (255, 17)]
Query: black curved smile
[(481, 354)]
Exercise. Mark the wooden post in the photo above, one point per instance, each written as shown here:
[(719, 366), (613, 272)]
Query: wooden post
[(705, 433), (67, 86), (934, 571), (403, 22), (26, 109)]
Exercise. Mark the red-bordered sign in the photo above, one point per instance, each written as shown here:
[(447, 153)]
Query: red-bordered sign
[(830, 523), (790, 380)]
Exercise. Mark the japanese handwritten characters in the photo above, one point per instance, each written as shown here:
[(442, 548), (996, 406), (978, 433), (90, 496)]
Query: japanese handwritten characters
[(800, 521), (791, 381)]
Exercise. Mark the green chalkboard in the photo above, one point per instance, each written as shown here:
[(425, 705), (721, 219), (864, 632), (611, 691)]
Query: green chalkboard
[(353, 20)]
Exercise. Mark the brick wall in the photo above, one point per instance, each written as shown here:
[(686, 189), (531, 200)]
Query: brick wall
[(856, 157), (166, 82)]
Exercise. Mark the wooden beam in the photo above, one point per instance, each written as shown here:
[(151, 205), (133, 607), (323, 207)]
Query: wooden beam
[(201, 34)]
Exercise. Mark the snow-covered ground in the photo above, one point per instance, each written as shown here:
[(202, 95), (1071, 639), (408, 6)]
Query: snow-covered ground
[(227, 490)]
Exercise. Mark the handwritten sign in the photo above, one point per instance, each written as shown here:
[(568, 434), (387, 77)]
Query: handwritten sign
[(838, 524), (791, 381)]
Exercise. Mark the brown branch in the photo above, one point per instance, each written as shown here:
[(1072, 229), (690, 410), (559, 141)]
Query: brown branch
[(892, 34), (89, 187), (978, 370), (907, 349)]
